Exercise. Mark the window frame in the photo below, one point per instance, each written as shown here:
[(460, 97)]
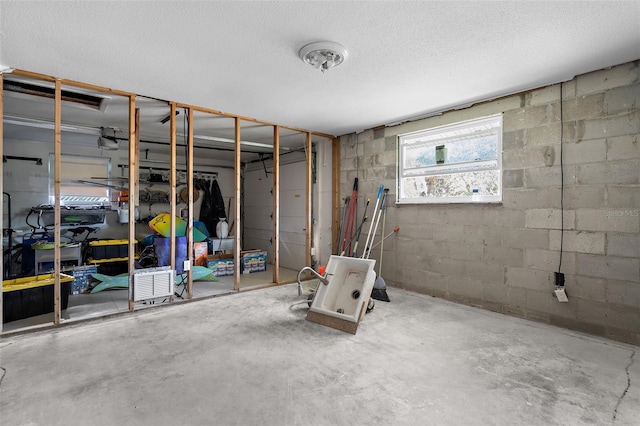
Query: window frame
[(407, 139), (95, 194)]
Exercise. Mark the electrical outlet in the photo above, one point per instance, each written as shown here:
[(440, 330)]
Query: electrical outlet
[(561, 295), (559, 277)]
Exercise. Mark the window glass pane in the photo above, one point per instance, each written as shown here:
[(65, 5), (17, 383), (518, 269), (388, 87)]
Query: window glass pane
[(83, 180), (457, 151), (446, 164), (453, 185)]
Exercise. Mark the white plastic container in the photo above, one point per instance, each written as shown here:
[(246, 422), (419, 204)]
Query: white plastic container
[(222, 228), (123, 213)]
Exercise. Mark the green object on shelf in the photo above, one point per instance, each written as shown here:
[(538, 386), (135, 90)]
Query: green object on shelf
[(45, 245), (73, 219), (122, 280)]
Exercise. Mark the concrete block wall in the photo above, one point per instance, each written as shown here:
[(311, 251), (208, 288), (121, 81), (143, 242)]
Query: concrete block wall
[(503, 257)]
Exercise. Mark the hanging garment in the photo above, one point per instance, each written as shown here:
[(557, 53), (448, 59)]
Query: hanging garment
[(218, 202), (207, 208)]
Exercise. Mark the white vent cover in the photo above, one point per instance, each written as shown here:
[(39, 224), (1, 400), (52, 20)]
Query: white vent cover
[(152, 283)]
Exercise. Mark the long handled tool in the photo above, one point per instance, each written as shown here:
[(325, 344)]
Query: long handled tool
[(367, 249), (359, 229), (349, 226), (356, 235), (396, 229), (354, 200), (379, 291), (357, 232), (342, 223), (375, 211), (384, 220)]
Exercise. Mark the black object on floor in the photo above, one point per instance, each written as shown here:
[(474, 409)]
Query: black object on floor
[(380, 294)]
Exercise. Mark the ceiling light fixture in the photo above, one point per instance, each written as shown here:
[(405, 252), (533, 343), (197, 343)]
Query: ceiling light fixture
[(232, 141), (323, 55), (44, 124)]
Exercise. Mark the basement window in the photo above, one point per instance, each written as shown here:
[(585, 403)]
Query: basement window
[(84, 181), (456, 163)]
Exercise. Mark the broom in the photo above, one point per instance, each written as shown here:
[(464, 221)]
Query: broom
[(379, 291)]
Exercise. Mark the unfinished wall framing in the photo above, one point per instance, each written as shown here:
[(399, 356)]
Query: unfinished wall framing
[(134, 158)]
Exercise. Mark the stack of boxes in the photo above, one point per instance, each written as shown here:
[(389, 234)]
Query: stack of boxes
[(221, 265), (250, 261)]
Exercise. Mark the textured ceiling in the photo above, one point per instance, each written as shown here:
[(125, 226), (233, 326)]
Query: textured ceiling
[(406, 59)]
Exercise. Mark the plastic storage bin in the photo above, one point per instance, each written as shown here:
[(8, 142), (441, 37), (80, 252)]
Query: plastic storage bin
[(110, 250), (30, 296)]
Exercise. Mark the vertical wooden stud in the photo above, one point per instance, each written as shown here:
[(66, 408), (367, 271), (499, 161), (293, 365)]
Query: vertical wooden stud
[(57, 169), (133, 185), (136, 187), (172, 190), (335, 191), (309, 218), (276, 204), (238, 231), (190, 188)]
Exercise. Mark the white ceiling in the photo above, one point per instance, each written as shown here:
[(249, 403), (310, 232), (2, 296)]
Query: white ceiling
[(406, 59)]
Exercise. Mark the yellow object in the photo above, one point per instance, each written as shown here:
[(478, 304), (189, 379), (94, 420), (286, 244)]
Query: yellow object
[(109, 242), (31, 282), (46, 245), (112, 259)]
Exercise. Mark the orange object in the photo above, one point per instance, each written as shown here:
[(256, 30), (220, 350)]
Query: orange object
[(200, 253), (321, 269), (123, 197)]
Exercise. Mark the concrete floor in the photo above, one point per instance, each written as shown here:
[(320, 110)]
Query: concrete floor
[(252, 359), (88, 306)]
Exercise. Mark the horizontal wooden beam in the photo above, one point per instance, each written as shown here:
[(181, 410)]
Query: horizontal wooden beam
[(97, 88), (251, 119)]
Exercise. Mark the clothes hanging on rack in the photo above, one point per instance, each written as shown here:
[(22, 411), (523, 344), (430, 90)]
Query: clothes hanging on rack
[(218, 208), (206, 208)]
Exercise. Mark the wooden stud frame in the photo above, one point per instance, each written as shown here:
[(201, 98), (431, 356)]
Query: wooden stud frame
[(309, 212), (57, 168), (335, 191), (238, 182), (172, 191), (38, 76), (190, 198), (134, 134), (276, 204), (133, 185)]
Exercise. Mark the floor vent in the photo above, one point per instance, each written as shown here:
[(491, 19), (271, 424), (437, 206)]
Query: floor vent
[(152, 283)]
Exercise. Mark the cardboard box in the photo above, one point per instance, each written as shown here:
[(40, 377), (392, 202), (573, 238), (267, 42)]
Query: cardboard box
[(253, 261), (200, 253), (250, 261), (221, 265)]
